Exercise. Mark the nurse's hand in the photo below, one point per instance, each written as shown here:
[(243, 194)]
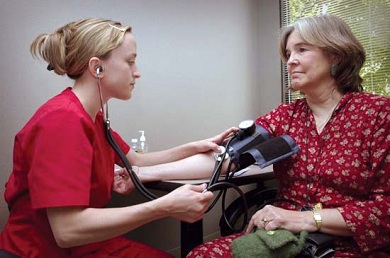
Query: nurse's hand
[(214, 142), (122, 182), (187, 203)]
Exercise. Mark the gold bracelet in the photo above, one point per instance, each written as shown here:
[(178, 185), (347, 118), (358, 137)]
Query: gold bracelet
[(317, 216)]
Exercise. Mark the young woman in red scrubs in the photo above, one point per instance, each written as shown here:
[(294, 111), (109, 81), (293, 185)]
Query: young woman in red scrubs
[(63, 166)]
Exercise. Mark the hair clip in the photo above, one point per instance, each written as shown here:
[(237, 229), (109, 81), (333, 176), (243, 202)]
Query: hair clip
[(49, 67), (116, 27)]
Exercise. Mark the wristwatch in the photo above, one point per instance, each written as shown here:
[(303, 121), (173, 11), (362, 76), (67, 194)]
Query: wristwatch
[(317, 216), (318, 219)]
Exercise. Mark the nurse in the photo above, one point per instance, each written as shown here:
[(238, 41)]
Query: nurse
[(63, 167)]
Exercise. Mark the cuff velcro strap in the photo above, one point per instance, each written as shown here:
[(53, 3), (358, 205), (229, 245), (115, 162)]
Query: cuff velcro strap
[(270, 151)]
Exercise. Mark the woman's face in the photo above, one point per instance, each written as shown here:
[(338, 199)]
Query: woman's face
[(308, 66), (120, 70)]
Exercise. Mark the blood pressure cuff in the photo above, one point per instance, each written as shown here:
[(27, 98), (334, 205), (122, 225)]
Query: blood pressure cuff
[(263, 152), (242, 144)]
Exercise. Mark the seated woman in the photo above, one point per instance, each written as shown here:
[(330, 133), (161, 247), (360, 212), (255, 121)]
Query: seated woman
[(343, 134)]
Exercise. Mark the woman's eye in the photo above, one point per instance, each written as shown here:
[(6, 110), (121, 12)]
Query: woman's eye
[(302, 49)]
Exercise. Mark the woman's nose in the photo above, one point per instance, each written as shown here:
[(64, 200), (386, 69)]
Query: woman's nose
[(292, 60), (137, 73)]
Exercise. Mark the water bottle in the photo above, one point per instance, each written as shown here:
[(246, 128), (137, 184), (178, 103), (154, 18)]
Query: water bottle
[(134, 145)]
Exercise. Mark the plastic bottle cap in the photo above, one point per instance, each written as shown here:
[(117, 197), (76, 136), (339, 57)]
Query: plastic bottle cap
[(142, 138)]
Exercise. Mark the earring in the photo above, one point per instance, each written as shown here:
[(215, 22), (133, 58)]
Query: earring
[(333, 69)]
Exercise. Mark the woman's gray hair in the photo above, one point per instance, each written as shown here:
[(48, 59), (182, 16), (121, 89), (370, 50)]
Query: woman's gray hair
[(331, 34)]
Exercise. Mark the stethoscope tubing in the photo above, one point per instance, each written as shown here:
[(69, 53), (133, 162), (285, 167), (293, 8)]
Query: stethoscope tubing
[(136, 181), (213, 185)]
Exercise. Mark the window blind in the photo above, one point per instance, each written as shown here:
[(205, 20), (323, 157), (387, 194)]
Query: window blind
[(369, 21)]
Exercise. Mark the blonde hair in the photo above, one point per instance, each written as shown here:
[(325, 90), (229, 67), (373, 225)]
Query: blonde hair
[(331, 34), (69, 49)]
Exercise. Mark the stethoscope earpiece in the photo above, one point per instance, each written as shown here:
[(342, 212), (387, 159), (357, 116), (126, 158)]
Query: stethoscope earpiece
[(98, 70)]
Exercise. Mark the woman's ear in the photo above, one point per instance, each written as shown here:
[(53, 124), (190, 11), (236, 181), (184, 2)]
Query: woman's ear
[(95, 67), (334, 64), (335, 59)]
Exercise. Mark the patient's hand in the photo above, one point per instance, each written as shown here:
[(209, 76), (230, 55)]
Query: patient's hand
[(122, 182)]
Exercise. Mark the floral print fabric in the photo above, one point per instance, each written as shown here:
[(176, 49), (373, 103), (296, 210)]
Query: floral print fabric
[(346, 166)]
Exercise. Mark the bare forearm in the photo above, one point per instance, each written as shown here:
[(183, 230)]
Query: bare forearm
[(180, 152), (271, 217), (79, 226), (332, 222), (166, 156), (197, 166), (74, 226)]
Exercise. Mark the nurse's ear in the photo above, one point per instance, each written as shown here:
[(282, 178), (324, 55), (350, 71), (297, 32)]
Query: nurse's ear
[(99, 69), (95, 67)]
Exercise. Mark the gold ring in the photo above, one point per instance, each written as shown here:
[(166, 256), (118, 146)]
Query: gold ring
[(265, 221)]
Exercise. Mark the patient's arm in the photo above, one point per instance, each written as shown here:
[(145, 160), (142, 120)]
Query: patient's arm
[(197, 166)]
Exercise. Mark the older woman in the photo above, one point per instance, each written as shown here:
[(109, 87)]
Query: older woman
[(343, 134)]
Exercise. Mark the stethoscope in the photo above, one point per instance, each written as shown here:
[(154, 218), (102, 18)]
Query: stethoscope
[(246, 128), (107, 129), (214, 184)]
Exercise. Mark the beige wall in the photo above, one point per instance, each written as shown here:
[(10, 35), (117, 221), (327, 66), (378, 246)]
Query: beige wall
[(206, 65)]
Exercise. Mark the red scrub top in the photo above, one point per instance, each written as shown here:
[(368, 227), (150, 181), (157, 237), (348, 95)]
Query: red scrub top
[(61, 158)]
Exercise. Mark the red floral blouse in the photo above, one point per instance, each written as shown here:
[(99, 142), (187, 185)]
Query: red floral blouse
[(346, 166)]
